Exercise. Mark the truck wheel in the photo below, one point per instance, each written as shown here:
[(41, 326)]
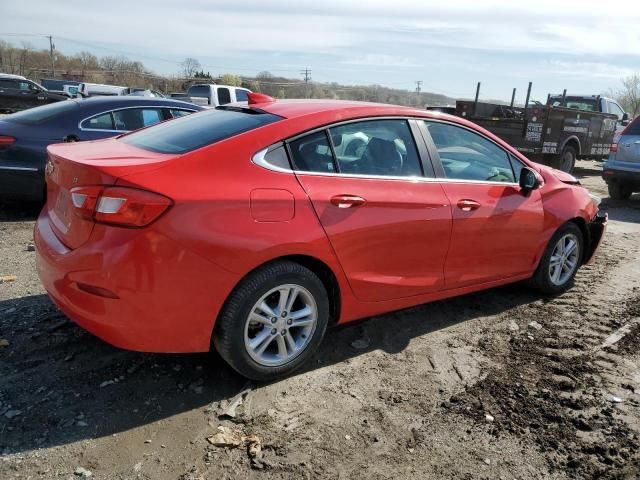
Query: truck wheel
[(619, 191), (566, 161)]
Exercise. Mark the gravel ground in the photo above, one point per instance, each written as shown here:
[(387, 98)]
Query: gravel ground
[(500, 384)]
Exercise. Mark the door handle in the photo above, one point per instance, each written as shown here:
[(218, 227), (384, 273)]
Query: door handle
[(347, 201), (468, 205)]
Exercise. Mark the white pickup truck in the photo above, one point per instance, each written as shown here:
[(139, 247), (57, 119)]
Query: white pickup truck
[(212, 95)]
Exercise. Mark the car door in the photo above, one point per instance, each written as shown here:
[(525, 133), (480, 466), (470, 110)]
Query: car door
[(496, 229), (386, 217), (31, 95), (10, 94)]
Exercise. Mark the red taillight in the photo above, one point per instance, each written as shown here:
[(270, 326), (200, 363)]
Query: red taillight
[(613, 148), (6, 140), (126, 207)]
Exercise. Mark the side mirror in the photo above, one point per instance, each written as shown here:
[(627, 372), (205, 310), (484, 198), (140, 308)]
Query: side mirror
[(625, 119), (529, 180)]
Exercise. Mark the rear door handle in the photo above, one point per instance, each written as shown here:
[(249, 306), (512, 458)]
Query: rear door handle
[(468, 205), (347, 201)]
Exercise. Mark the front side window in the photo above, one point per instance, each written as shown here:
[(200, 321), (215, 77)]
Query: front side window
[(465, 155), (241, 95), (99, 122), (135, 118), (224, 96), (177, 113), (615, 109), (376, 147)]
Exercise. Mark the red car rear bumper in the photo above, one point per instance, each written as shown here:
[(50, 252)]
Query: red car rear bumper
[(155, 310)]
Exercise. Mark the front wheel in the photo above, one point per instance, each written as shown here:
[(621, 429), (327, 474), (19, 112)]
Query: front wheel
[(560, 261), (273, 322)]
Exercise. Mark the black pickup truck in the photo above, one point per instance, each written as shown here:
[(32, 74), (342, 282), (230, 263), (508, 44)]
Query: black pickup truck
[(18, 93), (556, 133)]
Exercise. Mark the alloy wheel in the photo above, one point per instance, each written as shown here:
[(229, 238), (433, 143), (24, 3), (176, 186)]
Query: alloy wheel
[(280, 325), (564, 259)]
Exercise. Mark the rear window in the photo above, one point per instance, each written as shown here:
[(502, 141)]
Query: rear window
[(43, 113), (194, 131), (633, 128)]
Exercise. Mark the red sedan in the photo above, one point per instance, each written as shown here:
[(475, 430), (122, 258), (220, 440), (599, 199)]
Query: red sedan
[(252, 228)]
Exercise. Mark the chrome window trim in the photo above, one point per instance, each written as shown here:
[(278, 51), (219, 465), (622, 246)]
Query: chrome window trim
[(19, 169), (123, 108), (259, 157)]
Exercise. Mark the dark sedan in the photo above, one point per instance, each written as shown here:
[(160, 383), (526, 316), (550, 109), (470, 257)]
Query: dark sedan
[(24, 136)]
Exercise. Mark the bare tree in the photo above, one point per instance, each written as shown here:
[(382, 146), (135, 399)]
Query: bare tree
[(88, 61), (629, 95), (190, 66)]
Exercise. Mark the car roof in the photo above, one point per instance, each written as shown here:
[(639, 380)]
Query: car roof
[(114, 101), (9, 75), (299, 108)]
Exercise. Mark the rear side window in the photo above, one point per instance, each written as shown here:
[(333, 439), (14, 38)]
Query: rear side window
[(135, 118), (241, 95), (41, 114), (8, 83), (99, 122), (312, 153), (224, 96), (376, 147), (195, 131)]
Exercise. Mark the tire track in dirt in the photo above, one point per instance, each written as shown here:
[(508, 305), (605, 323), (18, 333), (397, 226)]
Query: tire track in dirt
[(555, 388)]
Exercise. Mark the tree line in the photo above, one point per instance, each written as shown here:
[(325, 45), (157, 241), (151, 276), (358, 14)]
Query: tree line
[(37, 64)]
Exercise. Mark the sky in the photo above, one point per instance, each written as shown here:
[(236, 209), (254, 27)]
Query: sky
[(584, 46)]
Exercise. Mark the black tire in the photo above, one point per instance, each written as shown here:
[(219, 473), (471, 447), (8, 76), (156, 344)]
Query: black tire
[(541, 279), (229, 335), (566, 161), (619, 191)]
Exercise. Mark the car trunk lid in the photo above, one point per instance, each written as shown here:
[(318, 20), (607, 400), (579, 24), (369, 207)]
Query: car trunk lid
[(85, 164)]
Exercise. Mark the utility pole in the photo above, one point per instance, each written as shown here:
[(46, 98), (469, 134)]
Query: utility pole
[(53, 58), (306, 74), (418, 89)]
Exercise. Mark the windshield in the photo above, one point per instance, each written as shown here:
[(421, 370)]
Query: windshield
[(194, 131), (41, 114)]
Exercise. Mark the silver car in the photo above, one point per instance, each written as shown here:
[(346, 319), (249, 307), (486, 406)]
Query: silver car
[(622, 170)]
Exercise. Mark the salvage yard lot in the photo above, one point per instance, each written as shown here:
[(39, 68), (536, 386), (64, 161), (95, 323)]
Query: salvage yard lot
[(498, 384)]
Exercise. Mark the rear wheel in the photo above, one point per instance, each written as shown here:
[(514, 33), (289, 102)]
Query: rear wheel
[(619, 191), (560, 261), (273, 322), (566, 161)]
